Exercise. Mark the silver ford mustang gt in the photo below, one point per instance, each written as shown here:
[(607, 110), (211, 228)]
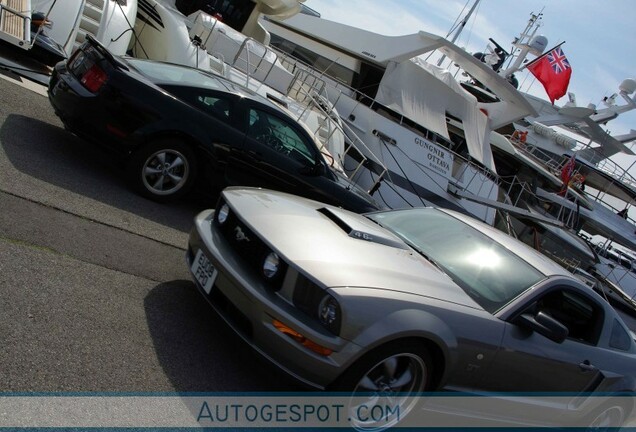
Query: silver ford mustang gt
[(403, 301)]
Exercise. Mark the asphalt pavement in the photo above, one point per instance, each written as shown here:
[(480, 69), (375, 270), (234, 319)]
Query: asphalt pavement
[(94, 290)]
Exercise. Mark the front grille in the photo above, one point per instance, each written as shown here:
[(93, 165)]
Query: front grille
[(307, 295), (250, 248)]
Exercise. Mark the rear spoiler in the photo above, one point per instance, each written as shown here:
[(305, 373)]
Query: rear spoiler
[(107, 54)]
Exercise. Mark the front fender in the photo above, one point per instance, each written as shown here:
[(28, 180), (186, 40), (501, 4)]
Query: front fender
[(465, 339), (372, 318)]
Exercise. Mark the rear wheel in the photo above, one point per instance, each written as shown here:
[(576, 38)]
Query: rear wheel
[(162, 170), (385, 384)]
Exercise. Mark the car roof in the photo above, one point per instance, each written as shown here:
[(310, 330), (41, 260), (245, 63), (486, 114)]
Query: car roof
[(171, 74)]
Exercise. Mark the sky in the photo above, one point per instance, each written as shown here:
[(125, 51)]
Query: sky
[(599, 36)]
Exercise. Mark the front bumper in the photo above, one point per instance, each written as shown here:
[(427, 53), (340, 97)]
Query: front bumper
[(250, 308)]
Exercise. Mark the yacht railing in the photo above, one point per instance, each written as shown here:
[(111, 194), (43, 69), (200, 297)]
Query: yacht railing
[(248, 67), (318, 102), (309, 92), (605, 165), (322, 83), (310, 88), (615, 171)]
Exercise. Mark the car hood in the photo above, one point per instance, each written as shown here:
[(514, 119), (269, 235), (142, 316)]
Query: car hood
[(340, 248)]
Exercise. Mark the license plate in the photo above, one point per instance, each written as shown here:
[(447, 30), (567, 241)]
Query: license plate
[(203, 271)]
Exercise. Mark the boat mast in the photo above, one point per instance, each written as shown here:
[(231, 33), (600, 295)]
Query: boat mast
[(524, 43), (459, 29)]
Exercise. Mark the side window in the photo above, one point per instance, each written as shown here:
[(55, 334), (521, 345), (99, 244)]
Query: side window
[(619, 338), (580, 314), (215, 106), (280, 135)]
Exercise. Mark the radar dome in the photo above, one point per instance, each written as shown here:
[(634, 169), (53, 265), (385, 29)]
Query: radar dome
[(538, 44), (628, 86)]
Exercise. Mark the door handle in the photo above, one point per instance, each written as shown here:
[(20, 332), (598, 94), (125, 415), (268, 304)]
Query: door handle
[(586, 366)]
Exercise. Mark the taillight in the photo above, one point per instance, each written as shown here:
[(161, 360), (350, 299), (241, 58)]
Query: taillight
[(94, 78)]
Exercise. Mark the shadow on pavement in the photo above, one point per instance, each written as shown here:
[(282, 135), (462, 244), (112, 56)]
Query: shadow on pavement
[(199, 352), (56, 156)]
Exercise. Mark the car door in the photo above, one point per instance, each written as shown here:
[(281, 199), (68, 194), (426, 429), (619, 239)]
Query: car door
[(277, 154), (530, 362), (221, 134)]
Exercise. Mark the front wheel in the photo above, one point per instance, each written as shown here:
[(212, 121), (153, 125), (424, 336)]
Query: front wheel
[(163, 170), (385, 384), (609, 417)]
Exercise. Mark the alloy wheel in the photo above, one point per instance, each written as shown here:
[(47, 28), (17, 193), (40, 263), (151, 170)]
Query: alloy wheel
[(388, 391), (165, 172)]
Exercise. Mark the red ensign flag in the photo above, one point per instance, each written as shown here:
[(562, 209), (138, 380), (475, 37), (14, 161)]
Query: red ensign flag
[(553, 71)]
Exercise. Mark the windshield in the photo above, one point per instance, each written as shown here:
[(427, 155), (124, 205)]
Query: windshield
[(488, 272)]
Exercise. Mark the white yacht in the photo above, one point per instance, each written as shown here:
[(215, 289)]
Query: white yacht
[(431, 131)]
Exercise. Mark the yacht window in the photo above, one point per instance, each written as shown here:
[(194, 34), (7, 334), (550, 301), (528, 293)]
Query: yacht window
[(318, 62), (234, 13)]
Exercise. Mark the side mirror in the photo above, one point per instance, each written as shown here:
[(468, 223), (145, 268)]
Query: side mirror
[(545, 325)]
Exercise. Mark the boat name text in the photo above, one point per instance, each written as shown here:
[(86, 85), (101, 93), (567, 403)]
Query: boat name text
[(437, 158), (368, 54)]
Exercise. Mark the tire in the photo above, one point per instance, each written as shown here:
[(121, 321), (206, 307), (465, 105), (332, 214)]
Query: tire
[(390, 376), (162, 170), (609, 417)]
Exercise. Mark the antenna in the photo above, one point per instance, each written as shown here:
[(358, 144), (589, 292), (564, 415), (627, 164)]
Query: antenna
[(527, 43), (610, 101)]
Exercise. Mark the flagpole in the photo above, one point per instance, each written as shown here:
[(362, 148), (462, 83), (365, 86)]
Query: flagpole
[(541, 56)]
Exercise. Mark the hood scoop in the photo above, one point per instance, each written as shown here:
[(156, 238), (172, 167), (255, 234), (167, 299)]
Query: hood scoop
[(354, 228)]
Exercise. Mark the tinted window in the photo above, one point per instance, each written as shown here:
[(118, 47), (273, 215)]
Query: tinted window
[(280, 135), (487, 271), (218, 107), (581, 315), (619, 338)]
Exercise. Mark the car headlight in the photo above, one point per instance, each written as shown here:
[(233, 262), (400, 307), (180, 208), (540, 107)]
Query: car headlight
[(223, 213), (329, 313), (271, 265)]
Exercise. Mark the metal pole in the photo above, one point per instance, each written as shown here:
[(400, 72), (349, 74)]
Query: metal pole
[(459, 29)]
